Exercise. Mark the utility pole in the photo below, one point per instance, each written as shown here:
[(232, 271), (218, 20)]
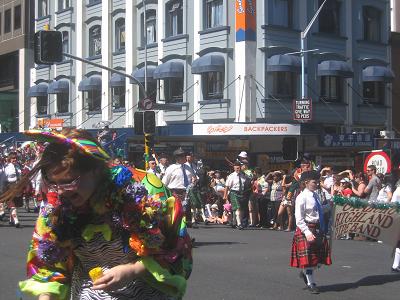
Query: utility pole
[(145, 46), (303, 52)]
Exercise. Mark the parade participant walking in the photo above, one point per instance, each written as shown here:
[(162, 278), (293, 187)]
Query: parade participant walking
[(178, 177), (105, 233), (12, 173), (235, 191), (310, 246)]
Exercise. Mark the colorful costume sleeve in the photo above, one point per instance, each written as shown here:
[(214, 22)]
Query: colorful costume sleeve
[(48, 262), (158, 234)]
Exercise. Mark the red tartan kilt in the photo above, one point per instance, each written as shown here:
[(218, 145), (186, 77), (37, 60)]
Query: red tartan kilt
[(307, 255)]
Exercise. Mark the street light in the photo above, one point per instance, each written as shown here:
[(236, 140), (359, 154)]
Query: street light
[(302, 51)]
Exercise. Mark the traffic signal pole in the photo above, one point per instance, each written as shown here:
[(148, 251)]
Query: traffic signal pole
[(147, 148)]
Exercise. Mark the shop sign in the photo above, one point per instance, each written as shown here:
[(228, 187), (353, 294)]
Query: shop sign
[(302, 110), (246, 21), (50, 123), (245, 129), (347, 140), (380, 160)]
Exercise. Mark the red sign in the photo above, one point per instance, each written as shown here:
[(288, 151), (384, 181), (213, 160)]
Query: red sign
[(380, 160), (302, 110), (50, 123), (146, 104)]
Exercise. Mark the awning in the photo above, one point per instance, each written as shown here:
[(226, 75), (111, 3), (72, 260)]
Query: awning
[(335, 68), (284, 63), (170, 69), (208, 63), (377, 73), (58, 87), (92, 83), (139, 74), (39, 90), (117, 80)]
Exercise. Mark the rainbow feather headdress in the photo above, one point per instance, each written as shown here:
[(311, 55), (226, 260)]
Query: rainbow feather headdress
[(52, 136)]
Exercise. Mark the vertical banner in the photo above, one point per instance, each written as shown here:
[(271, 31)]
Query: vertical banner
[(376, 221), (246, 21)]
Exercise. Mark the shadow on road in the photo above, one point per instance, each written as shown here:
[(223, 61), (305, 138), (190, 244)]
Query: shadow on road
[(366, 281), (201, 244)]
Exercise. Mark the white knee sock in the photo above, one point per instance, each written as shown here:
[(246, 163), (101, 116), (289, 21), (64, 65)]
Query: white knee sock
[(238, 217), (396, 261), (309, 272), (13, 215)]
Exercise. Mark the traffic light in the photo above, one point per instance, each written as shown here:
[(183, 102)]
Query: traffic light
[(149, 122), (289, 148), (48, 47), (149, 141), (138, 123)]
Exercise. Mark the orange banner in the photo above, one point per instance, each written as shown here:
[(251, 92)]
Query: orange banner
[(50, 123), (246, 21)]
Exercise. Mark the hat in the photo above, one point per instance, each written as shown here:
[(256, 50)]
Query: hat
[(243, 154), (345, 180), (179, 152), (309, 175), (237, 163)]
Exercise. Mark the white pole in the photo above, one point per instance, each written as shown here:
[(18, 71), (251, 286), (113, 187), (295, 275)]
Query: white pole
[(302, 51), (145, 49)]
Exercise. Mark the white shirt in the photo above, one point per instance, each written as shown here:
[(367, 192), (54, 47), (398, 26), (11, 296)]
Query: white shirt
[(396, 195), (173, 178), (383, 194), (307, 210), (12, 173), (328, 182), (153, 171), (232, 182)]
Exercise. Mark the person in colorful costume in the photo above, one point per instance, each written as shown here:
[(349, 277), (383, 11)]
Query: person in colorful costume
[(123, 224)]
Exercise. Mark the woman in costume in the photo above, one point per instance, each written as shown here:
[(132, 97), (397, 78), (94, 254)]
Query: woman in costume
[(102, 233), (310, 246)]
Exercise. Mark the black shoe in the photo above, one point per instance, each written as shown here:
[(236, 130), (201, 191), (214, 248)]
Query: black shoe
[(194, 225), (303, 276), (395, 270), (206, 222), (17, 225), (2, 217), (11, 223), (240, 227), (313, 289)]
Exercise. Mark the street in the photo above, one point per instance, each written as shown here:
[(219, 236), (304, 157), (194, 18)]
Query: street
[(248, 264)]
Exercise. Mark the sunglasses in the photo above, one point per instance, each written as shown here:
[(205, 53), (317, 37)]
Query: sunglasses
[(70, 186)]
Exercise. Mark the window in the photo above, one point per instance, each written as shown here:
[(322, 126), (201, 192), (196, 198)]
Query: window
[(7, 21), (118, 97), (284, 85), (213, 85), (374, 92), (282, 13), (120, 34), (62, 103), (94, 2), (214, 13), (174, 18), (93, 100), (151, 91), (65, 42), (372, 24), (331, 88), (95, 41), (329, 19), (150, 27), (43, 9), (173, 90), (41, 105), (63, 4), (17, 17)]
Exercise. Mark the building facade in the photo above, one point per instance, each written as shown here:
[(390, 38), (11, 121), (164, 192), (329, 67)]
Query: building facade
[(16, 29), (395, 47), (221, 62)]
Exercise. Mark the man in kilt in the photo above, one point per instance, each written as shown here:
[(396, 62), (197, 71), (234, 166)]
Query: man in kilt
[(235, 188), (310, 246)]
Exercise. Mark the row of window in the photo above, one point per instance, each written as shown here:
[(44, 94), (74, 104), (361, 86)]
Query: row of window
[(6, 27), (283, 86), (329, 18)]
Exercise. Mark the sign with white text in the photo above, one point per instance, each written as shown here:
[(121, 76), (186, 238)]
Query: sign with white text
[(302, 110), (246, 129), (380, 160)]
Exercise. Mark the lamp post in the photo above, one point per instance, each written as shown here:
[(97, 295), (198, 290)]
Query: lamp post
[(302, 51), (145, 47)]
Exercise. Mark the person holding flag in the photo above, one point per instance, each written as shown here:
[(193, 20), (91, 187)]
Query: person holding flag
[(310, 246)]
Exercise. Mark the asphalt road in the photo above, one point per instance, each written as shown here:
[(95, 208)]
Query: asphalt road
[(248, 264)]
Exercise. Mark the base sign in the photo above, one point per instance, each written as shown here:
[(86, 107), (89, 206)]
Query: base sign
[(302, 110)]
